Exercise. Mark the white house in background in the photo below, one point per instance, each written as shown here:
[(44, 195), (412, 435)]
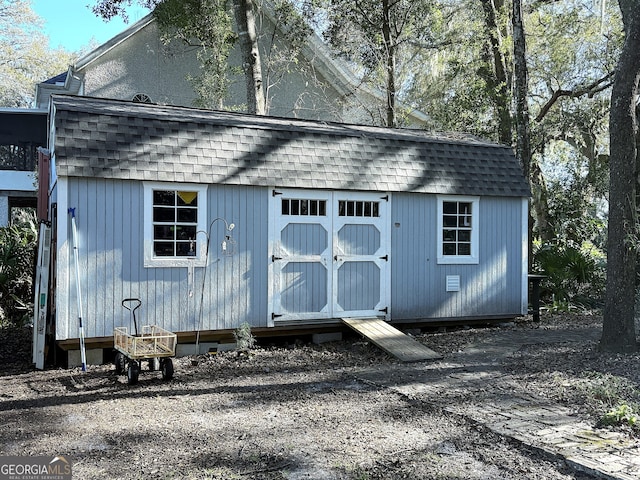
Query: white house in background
[(136, 65)]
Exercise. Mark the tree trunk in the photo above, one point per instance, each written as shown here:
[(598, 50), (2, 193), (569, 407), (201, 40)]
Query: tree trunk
[(540, 204), (520, 90), (618, 329), (391, 64), (498, 84), (243, 10), (520, 87)]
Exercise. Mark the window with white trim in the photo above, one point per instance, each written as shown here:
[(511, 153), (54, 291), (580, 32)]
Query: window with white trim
[(458, 230), (174, 224)]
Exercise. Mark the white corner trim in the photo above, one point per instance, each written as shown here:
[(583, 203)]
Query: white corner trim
[(524, 309)]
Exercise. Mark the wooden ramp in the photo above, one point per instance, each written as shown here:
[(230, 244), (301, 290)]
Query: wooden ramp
[(391, 340)]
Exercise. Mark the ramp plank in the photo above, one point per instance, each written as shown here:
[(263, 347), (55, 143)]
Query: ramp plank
[(391, 340)]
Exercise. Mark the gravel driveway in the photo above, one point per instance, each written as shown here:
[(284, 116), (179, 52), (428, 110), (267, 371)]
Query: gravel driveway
[(282, 412)]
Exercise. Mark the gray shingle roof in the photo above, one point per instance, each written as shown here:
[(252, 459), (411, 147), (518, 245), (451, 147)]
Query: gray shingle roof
[(124, 140)]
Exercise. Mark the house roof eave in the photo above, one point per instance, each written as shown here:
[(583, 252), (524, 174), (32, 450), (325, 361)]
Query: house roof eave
[(44, 90), (95, 54)]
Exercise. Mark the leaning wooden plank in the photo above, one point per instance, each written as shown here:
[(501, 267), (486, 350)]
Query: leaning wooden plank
[(391, 340)]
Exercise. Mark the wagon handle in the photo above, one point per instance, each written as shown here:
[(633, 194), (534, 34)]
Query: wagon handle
[(126, 304)]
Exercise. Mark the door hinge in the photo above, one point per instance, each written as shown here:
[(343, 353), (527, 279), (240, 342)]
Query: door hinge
[(384, 310), (275, 315), (386, 197), (385, 258), (274, 193), (274, 258)]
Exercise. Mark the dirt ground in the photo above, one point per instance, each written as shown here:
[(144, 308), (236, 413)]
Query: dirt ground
[(290, 412)]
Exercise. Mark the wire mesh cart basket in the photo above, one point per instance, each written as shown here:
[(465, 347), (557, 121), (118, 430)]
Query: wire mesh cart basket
[(153, 344)]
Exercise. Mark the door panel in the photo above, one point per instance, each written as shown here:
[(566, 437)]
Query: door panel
[(358, 286), (304, 287), (300, 243), (361, 254)]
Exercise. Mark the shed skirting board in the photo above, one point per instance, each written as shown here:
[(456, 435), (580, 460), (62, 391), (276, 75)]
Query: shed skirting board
[(99, 348), (333, 325)]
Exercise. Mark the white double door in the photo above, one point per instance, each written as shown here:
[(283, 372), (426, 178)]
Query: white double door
[(329, 255)]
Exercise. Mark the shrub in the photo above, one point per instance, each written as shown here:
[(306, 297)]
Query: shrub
[(244, 338), (621, 415), (575, 275), (17, 259)]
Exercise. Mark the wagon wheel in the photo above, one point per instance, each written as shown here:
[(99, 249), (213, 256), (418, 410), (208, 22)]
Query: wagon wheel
[(132, 372), (120, 363), (167, 368)]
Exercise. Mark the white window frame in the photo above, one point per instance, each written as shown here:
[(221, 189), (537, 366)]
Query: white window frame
[(150, 259), (459, 259)]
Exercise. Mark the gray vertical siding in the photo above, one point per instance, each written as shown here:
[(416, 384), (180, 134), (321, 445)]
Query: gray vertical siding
[(492, 287), (110, 232), (109, 214), (236, 287)]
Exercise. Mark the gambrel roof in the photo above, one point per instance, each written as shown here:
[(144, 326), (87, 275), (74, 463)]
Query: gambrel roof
[(132, 141)]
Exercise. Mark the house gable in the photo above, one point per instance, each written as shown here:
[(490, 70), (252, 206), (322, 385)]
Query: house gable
[(319, 86)]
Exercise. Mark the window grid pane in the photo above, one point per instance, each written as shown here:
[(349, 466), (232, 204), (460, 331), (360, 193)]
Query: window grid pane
[(304, 207), (175, 223), (456, 228), (358, 208)]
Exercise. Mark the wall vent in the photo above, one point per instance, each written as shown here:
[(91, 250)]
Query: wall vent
[(453, 283)]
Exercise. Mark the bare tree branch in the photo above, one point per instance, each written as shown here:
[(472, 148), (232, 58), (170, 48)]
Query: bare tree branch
[(590, 90)]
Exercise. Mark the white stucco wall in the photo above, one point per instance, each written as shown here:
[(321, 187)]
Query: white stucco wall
[(142, 64)]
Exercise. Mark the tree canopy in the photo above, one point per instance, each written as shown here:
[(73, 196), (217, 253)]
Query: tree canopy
[(25, 56)]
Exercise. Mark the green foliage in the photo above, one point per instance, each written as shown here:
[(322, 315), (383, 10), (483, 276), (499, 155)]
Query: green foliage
[(286, 42), (17, 258), (206, 24), (610, 390), (107, 9), (575, 276), (623, 415), (244, 338), (616, 399), (577, 191), (379, 40), (454, 78)]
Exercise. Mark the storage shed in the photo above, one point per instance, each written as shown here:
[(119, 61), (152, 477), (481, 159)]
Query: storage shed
[(331, 221)]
